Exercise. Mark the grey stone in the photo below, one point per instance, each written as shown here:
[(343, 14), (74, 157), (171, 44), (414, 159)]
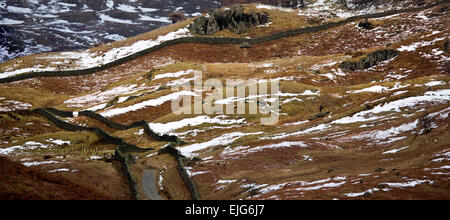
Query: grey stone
[(236, 19), (370, 60)]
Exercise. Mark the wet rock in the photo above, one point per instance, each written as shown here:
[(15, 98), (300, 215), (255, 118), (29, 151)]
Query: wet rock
[(236, 18), (370, 60)]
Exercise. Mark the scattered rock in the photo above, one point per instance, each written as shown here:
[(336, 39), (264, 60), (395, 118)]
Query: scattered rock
[(245, 45), (379, 170), (382, 186), (320, 115), (370, 60), (236, 19)]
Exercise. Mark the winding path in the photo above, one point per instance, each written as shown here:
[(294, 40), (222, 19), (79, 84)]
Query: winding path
[(149, 185)]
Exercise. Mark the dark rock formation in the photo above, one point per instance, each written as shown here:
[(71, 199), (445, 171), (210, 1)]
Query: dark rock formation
[(10, 44), (370, 60), (281, 3), (236, 19), (365, 24)]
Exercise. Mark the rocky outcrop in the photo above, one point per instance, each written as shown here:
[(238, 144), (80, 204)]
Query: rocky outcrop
[(365, 24), (236, 18), (370, 60), (281, 3)]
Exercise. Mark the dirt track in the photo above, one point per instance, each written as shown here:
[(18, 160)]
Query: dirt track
[(149, 185)]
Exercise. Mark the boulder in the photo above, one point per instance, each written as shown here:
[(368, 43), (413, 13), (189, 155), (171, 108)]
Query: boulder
[(365, 24), (370, 60), (236, 18)]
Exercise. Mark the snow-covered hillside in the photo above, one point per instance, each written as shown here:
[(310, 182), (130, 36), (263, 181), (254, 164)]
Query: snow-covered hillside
[(64, 25)]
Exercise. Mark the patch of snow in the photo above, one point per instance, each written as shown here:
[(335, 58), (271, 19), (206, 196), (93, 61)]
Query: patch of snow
[(390, 134), (19, 10), (435, 83), (411, 183), (317, 128), (30, 145), (296, 123), (7, 21), (416, 45), (126, 8), (114, 37), (148, 9), (270, 7), (99, 97), (286, 144), (395, 150), (326, 185), (369, 191), (172, 126), (108, 18), (175, 75), (62, 170), (11, 105), (440, 97), (149, 103), (157, 19), (226, 139), (310, 93), (31, 164), (58, 142), (95, 158)]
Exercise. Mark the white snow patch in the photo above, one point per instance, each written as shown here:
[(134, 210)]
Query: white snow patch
[(30, 145), (270, 7), (440, 97), (395, 150), (149, 103), (7, 21), (36, 163), (176, 75), (172, 126), (225, 139)]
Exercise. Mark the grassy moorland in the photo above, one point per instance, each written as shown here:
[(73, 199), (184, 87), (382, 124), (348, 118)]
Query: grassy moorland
[(376, 133)]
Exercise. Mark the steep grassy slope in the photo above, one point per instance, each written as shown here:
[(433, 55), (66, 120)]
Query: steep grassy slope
[(376, 133)]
